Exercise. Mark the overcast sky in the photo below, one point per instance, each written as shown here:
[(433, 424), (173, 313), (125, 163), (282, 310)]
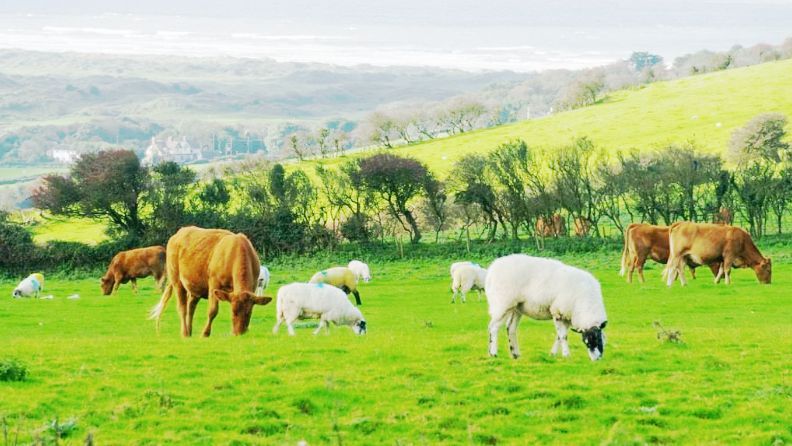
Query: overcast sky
[(518, 35)]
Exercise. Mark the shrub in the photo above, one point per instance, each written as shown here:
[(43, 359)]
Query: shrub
[(12, 370)]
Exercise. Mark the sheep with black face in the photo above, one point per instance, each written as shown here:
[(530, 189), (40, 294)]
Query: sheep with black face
[(544, 289)]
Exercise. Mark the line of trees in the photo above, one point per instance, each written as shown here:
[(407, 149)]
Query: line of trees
[(511, 192)]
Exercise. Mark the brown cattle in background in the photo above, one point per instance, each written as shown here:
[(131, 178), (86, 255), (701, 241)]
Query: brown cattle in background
[(644, 241), (134, 264), (724, 216), (702, 243), (212, 264), (554, 229), (582, 227)]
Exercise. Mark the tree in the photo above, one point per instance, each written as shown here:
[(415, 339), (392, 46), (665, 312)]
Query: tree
[(469, 179), (347, 197), (575, 180), (396, 180), (383, 129), (510, 164), (322, 140), (759, 152), (435, 207), (294, 144), (167, 196), (105, 185), (641, 60), (583, 92)]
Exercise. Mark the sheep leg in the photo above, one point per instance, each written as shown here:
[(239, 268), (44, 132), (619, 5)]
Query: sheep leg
[(511, 328), (278, 321), (561, 338), (479, 294), (494, 326), (322, 323), (290, 326), (453, 296), (464, 296), (357, 297)]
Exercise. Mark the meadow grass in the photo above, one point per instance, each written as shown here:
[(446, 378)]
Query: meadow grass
[(69, 229), (703, 109), (420, 376)]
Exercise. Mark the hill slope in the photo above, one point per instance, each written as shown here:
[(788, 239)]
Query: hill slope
[(702, 109)]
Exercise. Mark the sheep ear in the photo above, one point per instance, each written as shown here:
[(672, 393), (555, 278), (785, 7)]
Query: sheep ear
[(603, 325)]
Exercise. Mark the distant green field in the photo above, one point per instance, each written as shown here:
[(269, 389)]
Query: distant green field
[(69, 230), (13, 173), (420, 376), (702, 109)]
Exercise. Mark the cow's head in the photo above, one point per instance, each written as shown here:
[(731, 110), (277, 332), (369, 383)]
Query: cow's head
[(107, 283), (764, 270), (241, 307), (594, 338)]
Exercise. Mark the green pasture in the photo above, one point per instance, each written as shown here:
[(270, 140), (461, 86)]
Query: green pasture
[(703, 109), (69, 229), (420, 376)]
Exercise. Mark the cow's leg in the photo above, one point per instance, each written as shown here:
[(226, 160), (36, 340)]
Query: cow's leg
[(693, 272), (726, 266), (134, 285), (641, 261), (630, 270), (181, 302), (192, 304), (561, 338), (511, 329), (719, 275), (211, 313), (494, 326), (116, 285)]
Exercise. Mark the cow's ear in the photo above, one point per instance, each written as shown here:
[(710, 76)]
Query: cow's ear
[(261, 300), (222, 295)]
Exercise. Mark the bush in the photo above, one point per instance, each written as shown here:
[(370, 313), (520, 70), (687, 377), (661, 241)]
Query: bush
[(12, 370), (16, 246)]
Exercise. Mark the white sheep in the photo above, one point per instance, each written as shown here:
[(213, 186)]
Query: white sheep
[(543, 289), (361, 270), (465, 277), (316, 300), (30, 286), (341, 277), (263, 280)]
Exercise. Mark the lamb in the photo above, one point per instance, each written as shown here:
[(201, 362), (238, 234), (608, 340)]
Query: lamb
[(31, 286), (341, 277), (263, 280), (361, 270), (543, 289), (465, 277), (316, 300)]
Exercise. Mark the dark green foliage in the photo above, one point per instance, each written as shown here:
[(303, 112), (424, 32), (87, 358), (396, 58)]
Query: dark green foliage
[(16, 246), (12, 370)]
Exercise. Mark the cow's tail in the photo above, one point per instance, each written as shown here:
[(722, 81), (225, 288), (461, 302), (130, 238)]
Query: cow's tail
[(623, 269), (156, 312)]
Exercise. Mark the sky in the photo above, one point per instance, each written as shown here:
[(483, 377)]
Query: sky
[(470, 35)]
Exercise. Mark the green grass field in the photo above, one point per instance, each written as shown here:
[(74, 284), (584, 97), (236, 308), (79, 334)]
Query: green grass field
[(702, 109), (69, 229), (420, 376)]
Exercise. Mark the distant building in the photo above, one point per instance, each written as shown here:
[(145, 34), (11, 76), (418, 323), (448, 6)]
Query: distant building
[(180, 151), (63, 155)]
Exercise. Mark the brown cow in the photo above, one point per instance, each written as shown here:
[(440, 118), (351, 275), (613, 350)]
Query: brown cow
[(644, 241), (582, 226), (724, 216), (212, 264), (707, 243), (134, 264), (554, 229)]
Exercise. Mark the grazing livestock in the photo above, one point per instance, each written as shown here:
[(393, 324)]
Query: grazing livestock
[(644, 241), (30, 286), (263, 280), (212, 264), (543, 289), (465, 277), (128, 266), (724, 216), (340, 277), (361, 270), (707, 243), (554, 228), (316, 300), (582, 226)]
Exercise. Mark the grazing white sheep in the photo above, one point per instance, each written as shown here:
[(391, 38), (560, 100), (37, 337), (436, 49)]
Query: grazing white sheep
[(263, 280), (466, 277), (341, 277), (543, 289), (30, 286), (316, 300), (361, 270)]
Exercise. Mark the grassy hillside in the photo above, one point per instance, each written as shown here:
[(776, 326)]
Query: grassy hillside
[(420, 376), (702, 109)]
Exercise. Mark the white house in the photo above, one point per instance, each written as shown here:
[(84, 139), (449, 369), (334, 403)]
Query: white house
[(180, 151)]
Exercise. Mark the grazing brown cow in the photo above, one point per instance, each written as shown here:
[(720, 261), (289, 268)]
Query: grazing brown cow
[(134, 264), (724, 216), (554, 229), (582, 226), (701, 243), (212, 264), (644, 241)]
